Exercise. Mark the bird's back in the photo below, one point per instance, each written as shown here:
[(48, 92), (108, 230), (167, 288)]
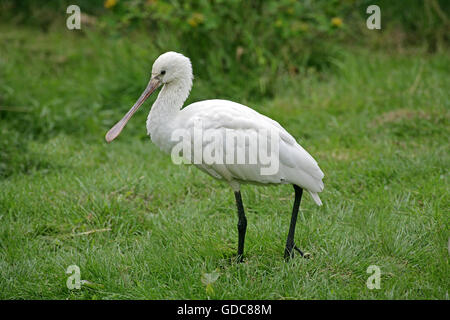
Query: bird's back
[(223, 118)]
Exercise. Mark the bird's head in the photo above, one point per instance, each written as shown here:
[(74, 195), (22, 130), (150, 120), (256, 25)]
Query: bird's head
[(170, 68)]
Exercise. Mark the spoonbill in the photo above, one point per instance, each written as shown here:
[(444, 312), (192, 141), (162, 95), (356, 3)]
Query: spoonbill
[(173, 71)]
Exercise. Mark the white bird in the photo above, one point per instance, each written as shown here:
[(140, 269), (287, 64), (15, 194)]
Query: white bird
[(220, 119)]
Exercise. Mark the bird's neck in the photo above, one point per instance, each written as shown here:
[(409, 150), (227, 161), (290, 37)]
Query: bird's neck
[(169, 102)]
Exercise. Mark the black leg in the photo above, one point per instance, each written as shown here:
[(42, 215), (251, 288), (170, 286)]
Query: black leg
[(242, 224), (290, 245)]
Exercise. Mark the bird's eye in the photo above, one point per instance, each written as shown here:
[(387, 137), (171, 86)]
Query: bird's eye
[(163, 72)]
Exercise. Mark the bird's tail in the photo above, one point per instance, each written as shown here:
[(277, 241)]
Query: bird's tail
[(316, 198)]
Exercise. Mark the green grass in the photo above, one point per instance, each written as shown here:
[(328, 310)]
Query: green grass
[(377, 123)]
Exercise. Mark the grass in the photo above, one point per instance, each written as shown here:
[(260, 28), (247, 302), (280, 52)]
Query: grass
[(140, 227)]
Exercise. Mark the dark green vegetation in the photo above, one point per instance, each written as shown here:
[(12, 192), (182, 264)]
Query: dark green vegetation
[(376, 118)]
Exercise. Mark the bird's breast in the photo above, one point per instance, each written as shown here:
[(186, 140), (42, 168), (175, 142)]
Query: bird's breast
[(161, 136)]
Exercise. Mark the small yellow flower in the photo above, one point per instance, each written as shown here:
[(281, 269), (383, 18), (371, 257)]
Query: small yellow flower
[(192, 22), (195, 19), (298, 26), (110, 3), (304, 27), (336, 22)]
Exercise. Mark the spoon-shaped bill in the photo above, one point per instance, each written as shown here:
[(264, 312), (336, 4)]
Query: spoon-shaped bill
[(118, 127)]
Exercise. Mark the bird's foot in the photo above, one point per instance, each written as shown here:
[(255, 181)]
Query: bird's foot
[(289, 252)]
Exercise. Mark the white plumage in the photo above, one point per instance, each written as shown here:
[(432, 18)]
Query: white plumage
[(296, 164), (174, 72)]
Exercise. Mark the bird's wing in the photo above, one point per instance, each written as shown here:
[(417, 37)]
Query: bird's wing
[(296, 165)]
